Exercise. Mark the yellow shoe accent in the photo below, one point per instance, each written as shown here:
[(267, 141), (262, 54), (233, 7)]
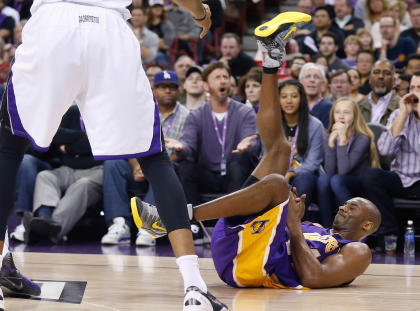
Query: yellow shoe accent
[(281, 23), (156, 226), (135, 212)]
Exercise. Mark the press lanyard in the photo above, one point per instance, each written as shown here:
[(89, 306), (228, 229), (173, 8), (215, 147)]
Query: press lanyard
[(348, 144), (379, 116), (169, 126), (292, 153), (222, 141)]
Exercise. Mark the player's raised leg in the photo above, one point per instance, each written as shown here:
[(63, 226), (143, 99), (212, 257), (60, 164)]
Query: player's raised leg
[(271, 189)]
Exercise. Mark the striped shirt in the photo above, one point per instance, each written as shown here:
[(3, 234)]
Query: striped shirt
[(405, 147), (173, 124)]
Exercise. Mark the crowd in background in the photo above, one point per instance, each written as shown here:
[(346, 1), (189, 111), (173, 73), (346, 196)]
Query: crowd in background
[(340, 93)]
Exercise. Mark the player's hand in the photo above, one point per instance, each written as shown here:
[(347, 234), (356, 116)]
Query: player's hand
[(296, 208), (138, 174), (244, 144), (206, 22), (173, 144)]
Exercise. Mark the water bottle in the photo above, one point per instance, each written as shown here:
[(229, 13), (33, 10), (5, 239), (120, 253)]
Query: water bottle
[(409, 242)]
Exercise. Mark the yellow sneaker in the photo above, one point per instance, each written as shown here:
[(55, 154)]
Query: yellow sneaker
[(273, 35), (146, 217), (284, 24)]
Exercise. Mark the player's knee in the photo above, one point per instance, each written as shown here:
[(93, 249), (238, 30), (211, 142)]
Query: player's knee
[(276, 185)]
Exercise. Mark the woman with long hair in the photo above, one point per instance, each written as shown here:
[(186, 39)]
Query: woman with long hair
[(356, 82), (250, 87), (366, 39), (305, 134), (349, 150), (157, 22)]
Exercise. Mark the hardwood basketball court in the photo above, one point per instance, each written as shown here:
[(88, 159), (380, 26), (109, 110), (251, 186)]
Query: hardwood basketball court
[(118, 282)]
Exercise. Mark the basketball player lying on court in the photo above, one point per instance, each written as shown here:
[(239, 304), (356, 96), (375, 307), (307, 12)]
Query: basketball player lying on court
[(259, 239)]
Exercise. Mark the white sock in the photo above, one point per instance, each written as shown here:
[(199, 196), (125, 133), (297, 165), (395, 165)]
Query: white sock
[(189, 268)]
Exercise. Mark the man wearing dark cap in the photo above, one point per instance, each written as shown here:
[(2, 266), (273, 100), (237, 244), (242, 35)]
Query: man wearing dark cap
[(122, 177), (194, 89)]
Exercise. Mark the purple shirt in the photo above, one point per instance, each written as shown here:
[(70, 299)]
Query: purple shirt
[(405, 147), (200, 142)]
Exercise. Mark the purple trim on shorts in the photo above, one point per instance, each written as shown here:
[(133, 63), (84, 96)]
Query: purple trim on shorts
[(155, 146), (16, 123)]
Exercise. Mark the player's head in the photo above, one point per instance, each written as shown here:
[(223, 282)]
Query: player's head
[(358, 218)]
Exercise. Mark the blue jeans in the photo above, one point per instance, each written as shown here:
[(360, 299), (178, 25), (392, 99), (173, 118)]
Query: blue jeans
[(25, 181), (305, 182), (118, 184), (342, 187)]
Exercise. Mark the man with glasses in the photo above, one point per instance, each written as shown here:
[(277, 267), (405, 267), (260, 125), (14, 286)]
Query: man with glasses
[(394, 47), (313, 79)]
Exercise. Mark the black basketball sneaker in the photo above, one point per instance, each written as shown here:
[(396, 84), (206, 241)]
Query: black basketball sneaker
[(196, 300), (12, 280)]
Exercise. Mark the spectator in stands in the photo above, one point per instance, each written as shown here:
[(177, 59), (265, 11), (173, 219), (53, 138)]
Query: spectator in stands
[(218, 145), (313, 79), (352, 46), (157, 21), (33, 162), (375, 9), (232, 55), (364, 64), (323, 21), (413, 64), (328, 46), (398, 11), (7, 24), (355, 79), (381, 102), (17, 32), (340, 85), (400, 140), (305, 6), (149, 41), (194, 88), (402, 85), (122, 178), (305, 134), (394, 47), (366, 39), (250, 87), (296, 66), (414, 31), (23, 7), (185, 28), (62, 195), (349, 150), (344, 19), (151, 71), (181, 66)]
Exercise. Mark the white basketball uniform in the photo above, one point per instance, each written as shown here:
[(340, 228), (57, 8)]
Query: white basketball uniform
[(85, 53)]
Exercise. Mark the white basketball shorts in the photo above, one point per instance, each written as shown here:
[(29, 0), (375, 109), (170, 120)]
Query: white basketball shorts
[(86, 55)]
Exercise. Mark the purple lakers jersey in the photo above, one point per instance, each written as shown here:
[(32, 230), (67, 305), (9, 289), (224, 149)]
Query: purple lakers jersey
[(248, 254)]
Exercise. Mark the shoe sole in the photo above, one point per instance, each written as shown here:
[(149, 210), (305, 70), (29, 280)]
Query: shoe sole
[(269, 30)]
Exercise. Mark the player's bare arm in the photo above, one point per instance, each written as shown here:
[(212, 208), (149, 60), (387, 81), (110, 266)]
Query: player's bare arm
[(335, 270), (200, 12)]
